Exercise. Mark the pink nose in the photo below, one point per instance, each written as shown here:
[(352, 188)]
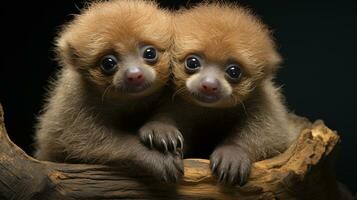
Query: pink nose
[(209, 85), (134, 75)]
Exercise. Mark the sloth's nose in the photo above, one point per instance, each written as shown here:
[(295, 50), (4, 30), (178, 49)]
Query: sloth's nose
[(134, 75), (209, 85)]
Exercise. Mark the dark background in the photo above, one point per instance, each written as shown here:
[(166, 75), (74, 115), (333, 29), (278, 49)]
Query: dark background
[(316, 39)]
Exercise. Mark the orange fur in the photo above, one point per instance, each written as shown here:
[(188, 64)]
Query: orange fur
[(223, 33), (119, 27)]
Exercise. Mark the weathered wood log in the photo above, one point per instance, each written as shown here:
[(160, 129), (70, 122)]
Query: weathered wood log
[(304, 171)]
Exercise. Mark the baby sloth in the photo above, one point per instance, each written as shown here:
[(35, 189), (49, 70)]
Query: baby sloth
[(225, 103), (114, 65)]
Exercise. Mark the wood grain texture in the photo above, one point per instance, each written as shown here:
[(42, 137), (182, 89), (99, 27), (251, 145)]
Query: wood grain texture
[(304, 171)]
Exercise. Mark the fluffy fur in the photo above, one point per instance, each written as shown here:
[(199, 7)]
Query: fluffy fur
[(91, 116), (247, 121)]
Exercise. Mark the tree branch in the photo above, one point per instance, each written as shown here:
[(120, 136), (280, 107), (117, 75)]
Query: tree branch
[(302, 172)]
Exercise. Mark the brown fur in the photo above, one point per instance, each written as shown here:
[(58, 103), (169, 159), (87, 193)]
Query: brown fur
[(251, 122), (85, 119)]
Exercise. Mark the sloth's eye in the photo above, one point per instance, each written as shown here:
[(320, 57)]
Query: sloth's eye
[(192, 63), (109, 64), (149, 54), (233, 72)]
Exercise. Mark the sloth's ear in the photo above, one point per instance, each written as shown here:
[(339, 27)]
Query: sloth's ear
[(273, 62), (66, 54)]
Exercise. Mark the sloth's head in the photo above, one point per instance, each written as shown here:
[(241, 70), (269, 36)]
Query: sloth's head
[(221, 53), (120, 47)]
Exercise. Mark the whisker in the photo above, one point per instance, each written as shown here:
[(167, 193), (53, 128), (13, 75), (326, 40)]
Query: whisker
[(105, 92), (162, 77), (243, 106), (178, 91)]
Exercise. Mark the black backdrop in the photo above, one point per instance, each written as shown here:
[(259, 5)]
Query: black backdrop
[(316, 39)]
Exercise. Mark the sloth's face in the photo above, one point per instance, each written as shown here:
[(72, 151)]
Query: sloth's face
[(220, 55), (124, 55), (139, 72), (133, 73), (211, 83)]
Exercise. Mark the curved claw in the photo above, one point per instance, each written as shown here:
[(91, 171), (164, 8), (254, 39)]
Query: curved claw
[(150, 140), (181, 170), (244, 174), (173, 144), (242, 182), (165, 145), (181, 153), (175, 178), (214, 167), (232, 180), (165, 179), (181, 142), (222, 176), (243, 178)]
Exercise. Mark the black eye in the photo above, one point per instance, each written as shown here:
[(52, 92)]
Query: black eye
[(234, 72), (109, 64), (192, 63), (150, 54)]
